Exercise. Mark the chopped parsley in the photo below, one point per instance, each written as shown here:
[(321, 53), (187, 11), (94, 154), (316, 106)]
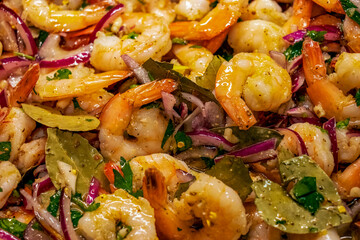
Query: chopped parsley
[(5, 150), (179, 41), (76, 198), (125, 182), (13, 226), (280, 222), (168, 132), (84, 5), (195, 46), (60, 74), (214, 4), (132, 35), (293, 51), (183, 141), (76, 103), (343, 124), (357, 97), (54, 203), (305, 192), (1, 190), (75, 216), (122, 231), (317, 36), (19, 54), (42, 37), (351, 10), (108, 8)]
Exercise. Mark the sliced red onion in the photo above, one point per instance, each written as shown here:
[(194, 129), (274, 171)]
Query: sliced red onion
[(65, 216), (42, 185), (39, 169), (302, 147), (294, 64), (195, 100), (353, 133), (8, 15), (3, 99), (312, 120), (184, 110), (332, 33), (272, 120), (300, 112), (295, 36), (93, 190), (183, 176), (140, 73), (4, 235), (330, 126), (188, 119), (215, 116), (66, 62), (205, 137), (9, 65), (355, 209), (31, 233), (297, 79), (255, 148), (279, 58), (169, 102), (261, 156), (109, 17), (48, 221)]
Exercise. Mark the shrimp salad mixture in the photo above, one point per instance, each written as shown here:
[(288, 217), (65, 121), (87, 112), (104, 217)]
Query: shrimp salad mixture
[(179, 119)]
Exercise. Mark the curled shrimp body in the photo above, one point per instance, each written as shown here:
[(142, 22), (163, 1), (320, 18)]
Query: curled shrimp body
[(119, 207), (147, 125), (251, 81), (197, 59), (52, 18), (167, 164), (328, 99), (348, 181), (349, 147), (347, 72), (9, 179), (15, 128), (216, 208), (224, 15), (256, 36), (301, 16), (192, 9), (317, 144), (153, 41)]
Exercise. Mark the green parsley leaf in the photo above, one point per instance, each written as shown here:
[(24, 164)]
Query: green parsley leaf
[(168, 132), (54, 203), (305, 192), (183, 187), (60, 74), (13, 226), (1, 190), (75, 217), (179, 41), (214, 4), (35, 91), (83, 5), (357, 97), (37, 226), (280, 222), (293, 50), (41, 38), (343, 124), (195, 46), (316, 36), (76, 103), (209, 162), (122, 231), (351, 10), (19, 54), (76, 198), (108, 8), (142, 2), (5, 150), (183, 141), (151, 77), (134, 86), (133, 35)]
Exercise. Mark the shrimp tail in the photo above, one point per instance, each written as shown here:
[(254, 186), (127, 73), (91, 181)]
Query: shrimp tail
[(154, 188), (313, 62)]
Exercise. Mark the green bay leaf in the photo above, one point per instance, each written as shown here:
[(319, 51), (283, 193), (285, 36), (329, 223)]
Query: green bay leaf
[(76, 151)]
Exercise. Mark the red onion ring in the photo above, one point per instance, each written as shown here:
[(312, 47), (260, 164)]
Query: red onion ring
[(8, 65), (261, 156), (295, 36), (169, 102), (293, 64), (42, 185), (66, 62), (330, 126), (3, 99), (65, 216), (255, 148), (279, 58), (183, 176), (297, 79), (195, 100), (300, 112), (205, 137), (31, 233), (109, 17), (93, 190), (140, 73), (7, 14), (4, 235), (301, 143)]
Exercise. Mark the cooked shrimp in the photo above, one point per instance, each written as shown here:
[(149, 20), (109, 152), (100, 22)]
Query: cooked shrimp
[(147, 125), (317, 144), (30, 154), (81, 82), (52, 19), (223, 16), (331, 5), (347, 76), (349, 147), (301, 16), (329, 100), (352, 34), (192, 9), (197, 59), (9, 179), (256, 36), (213, 207), (251, 81), (161, 8), (116, 208), (348, 181), (93, 103), (164, 162), (16, 127), (267, 10), (153, 41)]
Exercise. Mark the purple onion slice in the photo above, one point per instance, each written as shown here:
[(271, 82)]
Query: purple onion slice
[(330, 126)]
